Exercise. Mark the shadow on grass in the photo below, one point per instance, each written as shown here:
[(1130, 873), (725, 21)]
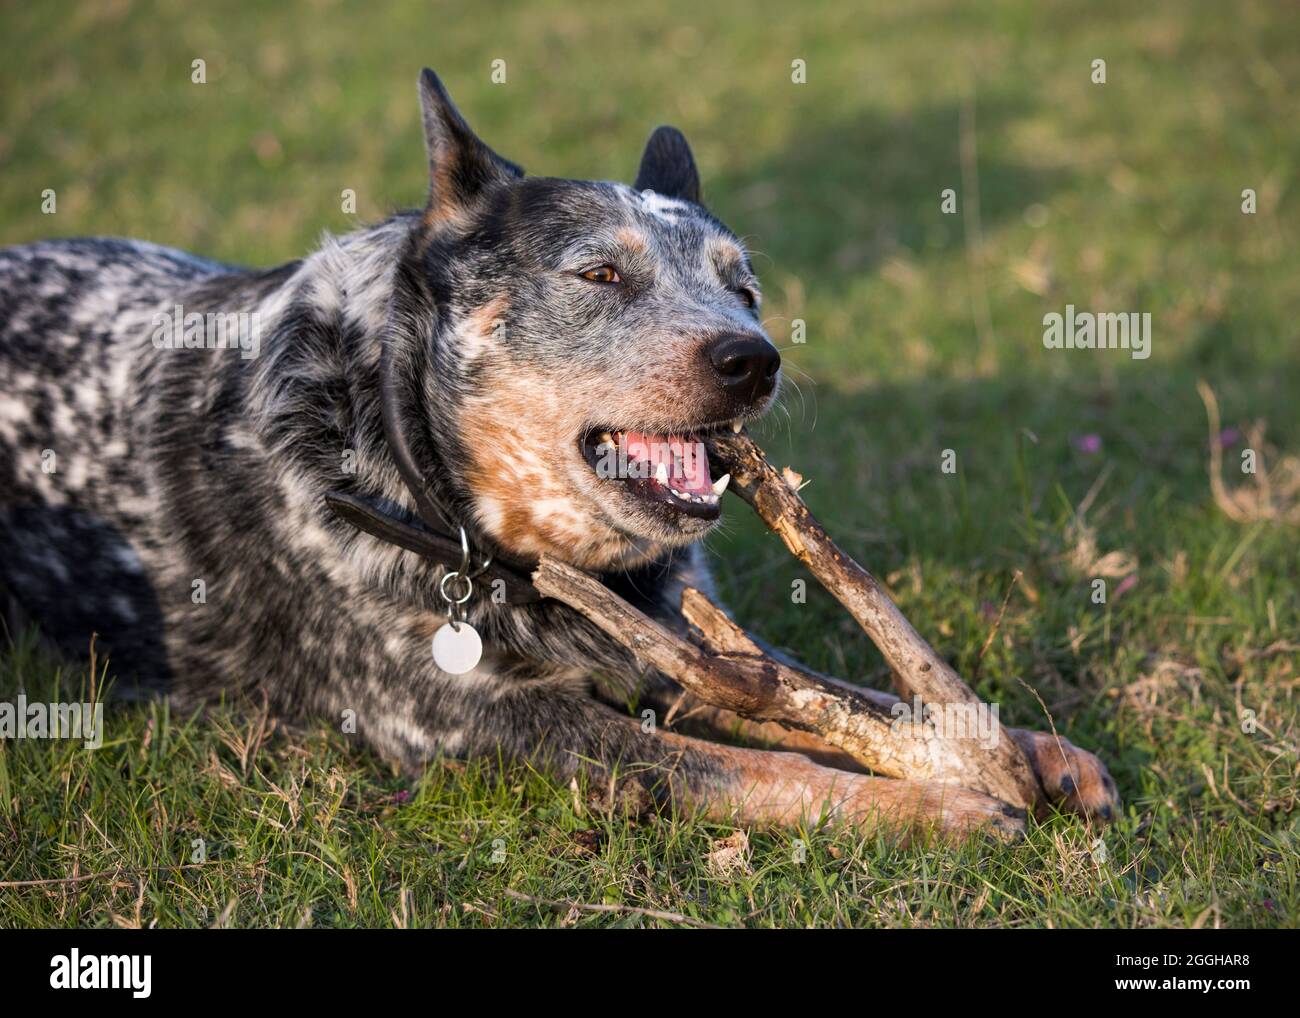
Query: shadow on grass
[(839, 197)]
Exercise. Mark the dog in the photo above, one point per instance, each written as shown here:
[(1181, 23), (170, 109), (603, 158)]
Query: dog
[(472, 362)]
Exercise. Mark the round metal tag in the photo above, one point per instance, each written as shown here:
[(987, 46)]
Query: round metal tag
[(457, 649)]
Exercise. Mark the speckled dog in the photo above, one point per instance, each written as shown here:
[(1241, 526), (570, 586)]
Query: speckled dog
[(167, 492)]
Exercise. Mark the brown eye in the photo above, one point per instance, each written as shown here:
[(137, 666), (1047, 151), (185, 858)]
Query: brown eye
[(602, 274), (748, 296)]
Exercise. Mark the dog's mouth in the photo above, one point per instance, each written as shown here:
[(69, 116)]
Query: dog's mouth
[(668, 471)]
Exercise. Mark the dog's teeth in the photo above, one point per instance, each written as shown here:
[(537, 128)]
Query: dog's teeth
[(606, 437), (720, 485), (736, 425), (661, 473)]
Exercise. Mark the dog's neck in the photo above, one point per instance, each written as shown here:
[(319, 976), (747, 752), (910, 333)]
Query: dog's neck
[(338, 310)]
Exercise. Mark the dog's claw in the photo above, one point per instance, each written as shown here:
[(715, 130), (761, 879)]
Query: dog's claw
[(1074, 779)]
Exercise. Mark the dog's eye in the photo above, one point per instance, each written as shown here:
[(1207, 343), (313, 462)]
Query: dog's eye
[(602, 274), (748, 296)]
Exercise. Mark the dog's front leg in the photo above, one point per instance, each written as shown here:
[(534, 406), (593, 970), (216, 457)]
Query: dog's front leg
[(566, 734), (765, 788), (1074, 780)]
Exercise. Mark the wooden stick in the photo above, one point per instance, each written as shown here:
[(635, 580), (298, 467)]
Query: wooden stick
[(727, 669), (1000, 770)]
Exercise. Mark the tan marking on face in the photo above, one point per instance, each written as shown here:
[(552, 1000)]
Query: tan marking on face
[(530, 488), (485, 319), (478, 333), (633, 240), (723, 252)]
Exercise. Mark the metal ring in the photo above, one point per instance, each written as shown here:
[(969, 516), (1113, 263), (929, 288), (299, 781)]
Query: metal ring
[(469, 588), (464, 552)]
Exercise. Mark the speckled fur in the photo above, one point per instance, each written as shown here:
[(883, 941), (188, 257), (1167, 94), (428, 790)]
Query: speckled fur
[(128, 473), (176, 466)]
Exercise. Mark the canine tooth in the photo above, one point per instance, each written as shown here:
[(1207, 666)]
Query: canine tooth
[(720, 485), (736, 425), (605, 436), (661, 473)]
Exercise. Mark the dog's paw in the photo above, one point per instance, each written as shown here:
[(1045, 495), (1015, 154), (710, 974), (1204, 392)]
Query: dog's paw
[(946, 811), (1074, 779)]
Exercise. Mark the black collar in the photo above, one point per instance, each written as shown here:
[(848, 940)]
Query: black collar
[(435, 545), (433, 536)]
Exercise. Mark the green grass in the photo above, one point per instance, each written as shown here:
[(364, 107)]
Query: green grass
[(923, 334)]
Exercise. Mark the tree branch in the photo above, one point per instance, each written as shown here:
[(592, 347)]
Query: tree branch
[(1001, 770)]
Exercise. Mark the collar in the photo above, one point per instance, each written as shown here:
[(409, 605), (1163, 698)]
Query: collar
[(436, 545), (432, 536)]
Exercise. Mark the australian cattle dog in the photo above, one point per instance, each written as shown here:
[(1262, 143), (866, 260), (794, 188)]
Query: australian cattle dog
[(529, 359)]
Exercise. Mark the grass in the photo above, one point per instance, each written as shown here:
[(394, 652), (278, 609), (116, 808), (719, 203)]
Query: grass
[(923, 334)]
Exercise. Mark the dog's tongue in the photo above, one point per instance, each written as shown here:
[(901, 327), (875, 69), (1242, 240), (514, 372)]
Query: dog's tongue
[(684, 459)]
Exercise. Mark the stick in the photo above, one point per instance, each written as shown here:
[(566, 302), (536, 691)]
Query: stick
[(727, 669), (1001, 771)]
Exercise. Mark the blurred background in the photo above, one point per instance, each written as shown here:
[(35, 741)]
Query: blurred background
[(923, 330)]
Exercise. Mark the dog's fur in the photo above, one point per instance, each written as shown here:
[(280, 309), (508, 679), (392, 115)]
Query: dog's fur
[(177, 466)]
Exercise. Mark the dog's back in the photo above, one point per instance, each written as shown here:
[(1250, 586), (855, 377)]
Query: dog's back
[(76, 496)]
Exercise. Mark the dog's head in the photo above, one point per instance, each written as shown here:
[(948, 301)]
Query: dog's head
[(589, 335)]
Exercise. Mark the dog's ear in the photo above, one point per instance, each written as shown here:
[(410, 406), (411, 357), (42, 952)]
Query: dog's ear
[(667, 166), (461, 167)]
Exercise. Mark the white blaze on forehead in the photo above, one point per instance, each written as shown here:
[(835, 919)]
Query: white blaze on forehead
[(667, 209)]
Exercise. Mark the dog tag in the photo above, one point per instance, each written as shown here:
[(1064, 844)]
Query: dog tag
[(457, 651)]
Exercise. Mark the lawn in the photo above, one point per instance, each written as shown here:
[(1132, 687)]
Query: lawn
[(922, 332)]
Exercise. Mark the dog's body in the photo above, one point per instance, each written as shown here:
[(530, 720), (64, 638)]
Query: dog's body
[(171, 500)]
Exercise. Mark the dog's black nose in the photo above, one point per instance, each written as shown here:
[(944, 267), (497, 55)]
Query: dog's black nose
[(746, 365)]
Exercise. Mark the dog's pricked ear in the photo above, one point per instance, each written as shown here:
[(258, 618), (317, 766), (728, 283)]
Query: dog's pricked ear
[(667, 166), (461, 167)]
